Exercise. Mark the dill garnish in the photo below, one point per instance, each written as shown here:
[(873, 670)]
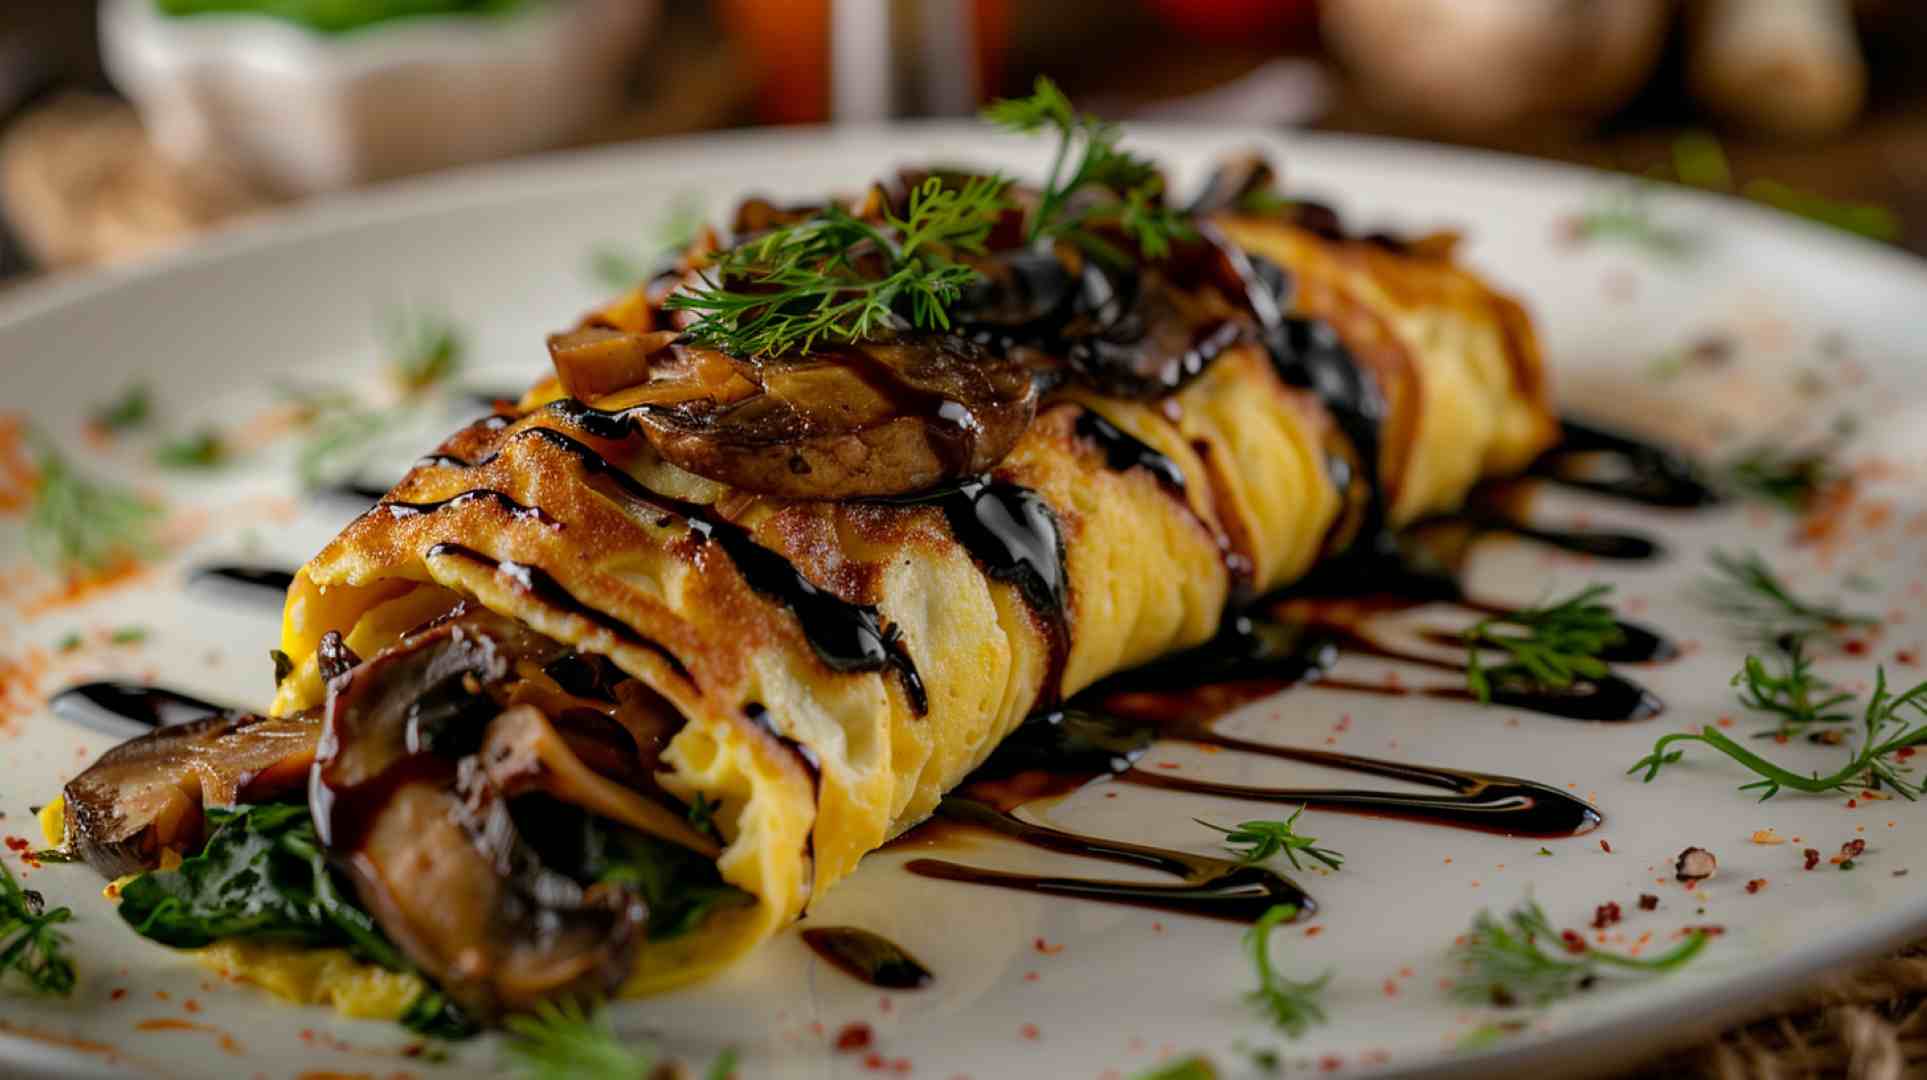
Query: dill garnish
[(1752, 596), (1136, 207), (1290, 1005), (77, 525), (202, 450), (126, 412), (1196, 1067), (837, 277), (1506, 961), (1627, 214), (620, 268), (1874, 765), (573, 1039), (424, 348), (1791, 478), (31, 945), (1549, 647), (1794, 693), (1264, 839)]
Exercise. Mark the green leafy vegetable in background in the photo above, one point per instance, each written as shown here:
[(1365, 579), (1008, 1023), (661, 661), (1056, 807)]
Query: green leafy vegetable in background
[(339, 16), (1264, 839), (1290, 1005), (839, 278), (1089, 147), (1549, 646), (126, 412), (31, 944), (1887, 738), (262, 875), (1507, 961), (1764, 608), (77, 525)]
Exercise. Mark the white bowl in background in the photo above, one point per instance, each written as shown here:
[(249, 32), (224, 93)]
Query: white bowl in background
[(306, 112)]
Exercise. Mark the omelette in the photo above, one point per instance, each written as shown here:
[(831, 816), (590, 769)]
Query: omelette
[(616, 680)]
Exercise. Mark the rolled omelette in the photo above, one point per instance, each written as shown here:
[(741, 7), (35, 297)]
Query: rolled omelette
[(576, 603), (588, 537)]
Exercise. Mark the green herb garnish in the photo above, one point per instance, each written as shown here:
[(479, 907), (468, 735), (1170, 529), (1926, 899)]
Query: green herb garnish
[(836, 277), (702, 816), (1791, 478), (1753, 597), (1132, 183), (1264, 839), (126, 412), (1627, 215), (68, 642), (1507, 962), (338, 443), (680, 887), (1290, 1005), (425, 348), (1793, 693), (1874, 765), (567, 1038), (619, 268), (1863, 219), (128, 635), (1549, 646), (1195, 1067), (339, 16), (77, 525), (202, 450), (31, 944)]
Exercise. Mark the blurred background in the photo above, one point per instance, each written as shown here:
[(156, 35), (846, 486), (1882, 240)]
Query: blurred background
[(132, 125)]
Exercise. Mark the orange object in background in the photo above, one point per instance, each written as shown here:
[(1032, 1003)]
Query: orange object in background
[(788, 45)]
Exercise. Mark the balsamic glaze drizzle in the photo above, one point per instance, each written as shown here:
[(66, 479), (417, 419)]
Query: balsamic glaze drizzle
[(125, 709), (263, 586), (1124, 451), (514, 509), (1646, 473), (868, 957)]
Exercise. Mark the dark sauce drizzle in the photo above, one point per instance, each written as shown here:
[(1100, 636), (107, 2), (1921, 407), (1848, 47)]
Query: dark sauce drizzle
[(868, 957), (126, 709), (1124, 451), (1644, 473), (516, 510), (263, 586)]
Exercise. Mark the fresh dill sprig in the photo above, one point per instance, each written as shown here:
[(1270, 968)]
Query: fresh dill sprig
[(1290, 1005), (1626, 214), (1506, 962), (1264, 839), (569, 1038), (1791, 478), (1874, 765), (837, 277), (77, 525), (1752, 596), (1195, 1067), (339, 440), (126, 412), (1136, 207), (1793, 693), (31, 943), (1549, 646), (202, 450), (424, 348)]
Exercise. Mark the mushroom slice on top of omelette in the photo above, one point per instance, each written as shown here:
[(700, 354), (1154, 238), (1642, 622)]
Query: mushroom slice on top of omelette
[(612, 683)]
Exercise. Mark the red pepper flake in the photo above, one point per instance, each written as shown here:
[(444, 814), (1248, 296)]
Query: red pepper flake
[(1695, 865), (1607, 914), (1855, 647), (1330, 1063), (873, 1061), (1904, 753), (1030, 1031), (118, 993), (1756, 885), (855, 1036), (1648, 902), (1391, 987), (1047, 948), (1313, 931), (1709, 931), (1853, 804), (1908, 657), (1849, 851), (1605, 847), (1574, 943), (1813, 858), (191, 1005), (1169, 765)]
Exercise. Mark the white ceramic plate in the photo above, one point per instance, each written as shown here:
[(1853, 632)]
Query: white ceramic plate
[(1821, 325)]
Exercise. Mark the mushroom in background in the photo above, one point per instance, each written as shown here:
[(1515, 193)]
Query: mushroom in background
[(1790, 68), (1473, 66)]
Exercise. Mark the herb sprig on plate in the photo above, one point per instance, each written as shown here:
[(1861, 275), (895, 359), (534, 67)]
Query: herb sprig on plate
[(77, 525), (32, 945), (1887, 738), (1550, 646), (1522, 959), (573, 1039), (1794, 693), (841, 278), (1290, 1004), (1264, 839), (1764, 608)]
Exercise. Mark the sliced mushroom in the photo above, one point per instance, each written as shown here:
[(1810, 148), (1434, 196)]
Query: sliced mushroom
[(149, 794), (400, 794), (874, 418)]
